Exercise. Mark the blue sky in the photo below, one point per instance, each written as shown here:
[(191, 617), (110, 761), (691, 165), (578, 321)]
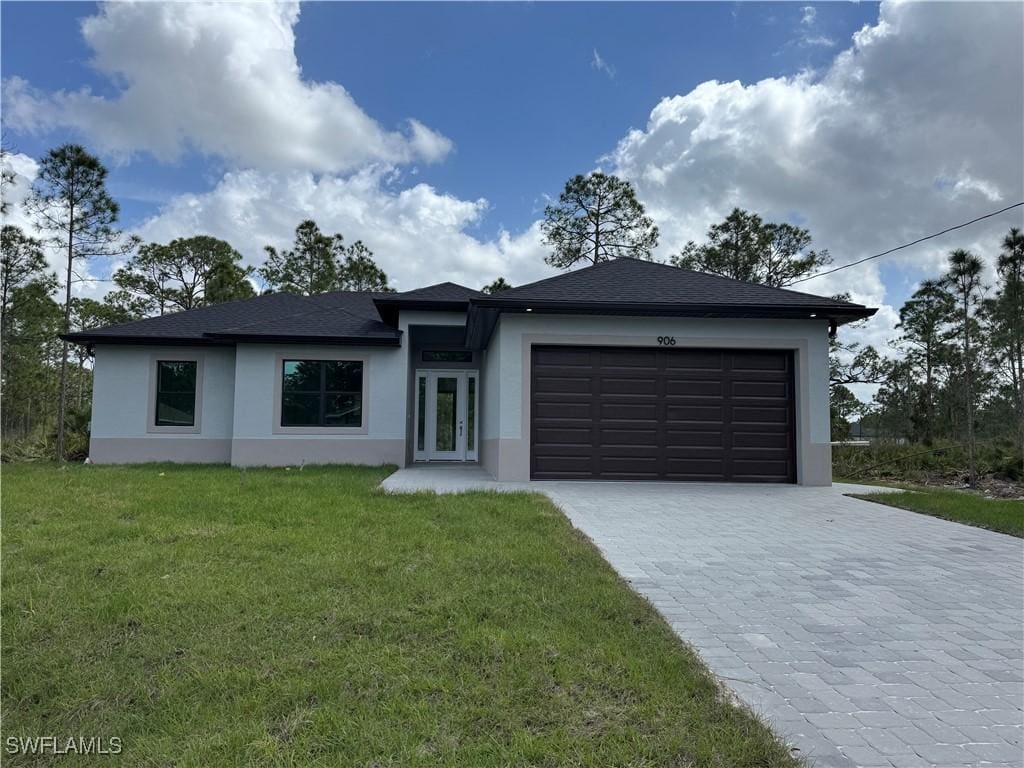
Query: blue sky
[(436, 132), (513, 85)]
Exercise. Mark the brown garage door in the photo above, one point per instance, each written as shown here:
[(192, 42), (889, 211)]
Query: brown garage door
[(618, 413)]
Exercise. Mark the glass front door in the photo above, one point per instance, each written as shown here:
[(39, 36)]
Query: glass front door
[(446, 412)]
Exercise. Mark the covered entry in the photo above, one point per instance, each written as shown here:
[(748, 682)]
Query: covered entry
[(624, 413)]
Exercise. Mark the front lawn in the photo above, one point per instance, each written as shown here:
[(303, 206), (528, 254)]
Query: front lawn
[(1002, 515), (215, 616)]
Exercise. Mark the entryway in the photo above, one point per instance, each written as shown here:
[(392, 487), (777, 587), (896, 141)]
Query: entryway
[(446, 409)]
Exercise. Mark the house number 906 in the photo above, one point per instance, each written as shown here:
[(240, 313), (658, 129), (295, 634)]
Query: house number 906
[(667, 341)]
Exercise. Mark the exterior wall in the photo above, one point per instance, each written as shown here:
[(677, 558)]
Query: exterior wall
[(508, 362), (257, 441), (490, 406), (123, 409)]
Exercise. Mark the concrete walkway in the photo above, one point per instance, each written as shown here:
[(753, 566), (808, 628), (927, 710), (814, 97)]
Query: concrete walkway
[(867, 636)]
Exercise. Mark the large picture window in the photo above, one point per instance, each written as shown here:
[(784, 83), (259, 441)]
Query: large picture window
[(176, 393), (322, 393)]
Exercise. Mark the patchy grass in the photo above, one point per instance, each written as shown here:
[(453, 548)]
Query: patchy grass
[(212, 616), (1002, 515)]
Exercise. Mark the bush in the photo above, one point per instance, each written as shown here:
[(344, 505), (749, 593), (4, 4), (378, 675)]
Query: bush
[(917, 463), (41, 444)]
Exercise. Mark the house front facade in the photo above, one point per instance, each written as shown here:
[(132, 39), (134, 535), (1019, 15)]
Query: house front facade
[(627, 370)]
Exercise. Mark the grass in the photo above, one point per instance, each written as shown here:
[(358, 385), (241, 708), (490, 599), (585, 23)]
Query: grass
[(1002, 515), (211, 616)]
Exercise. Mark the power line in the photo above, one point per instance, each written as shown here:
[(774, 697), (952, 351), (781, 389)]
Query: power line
[(907, 245)]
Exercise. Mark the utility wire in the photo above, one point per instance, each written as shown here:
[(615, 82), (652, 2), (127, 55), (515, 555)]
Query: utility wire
[(907, 245)]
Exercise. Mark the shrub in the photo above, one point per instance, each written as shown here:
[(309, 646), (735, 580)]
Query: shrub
[(915, 462)]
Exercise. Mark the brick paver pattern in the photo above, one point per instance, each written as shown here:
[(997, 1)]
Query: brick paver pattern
[(866, 635)]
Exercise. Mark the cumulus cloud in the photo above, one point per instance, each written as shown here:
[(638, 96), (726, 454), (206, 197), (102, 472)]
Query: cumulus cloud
[(916, 126), (418, 235), (220, 78)]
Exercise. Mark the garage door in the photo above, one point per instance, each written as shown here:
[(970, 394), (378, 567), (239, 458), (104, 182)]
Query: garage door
[(617, 413)]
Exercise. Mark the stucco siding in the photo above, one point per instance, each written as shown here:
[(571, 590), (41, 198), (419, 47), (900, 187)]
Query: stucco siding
[(257, 436), (122, 407)]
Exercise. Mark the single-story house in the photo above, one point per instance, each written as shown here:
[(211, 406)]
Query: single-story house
[(627, 370)]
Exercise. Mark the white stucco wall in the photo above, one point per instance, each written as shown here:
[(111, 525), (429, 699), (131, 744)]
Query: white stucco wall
[(122, 408), (509, 353)]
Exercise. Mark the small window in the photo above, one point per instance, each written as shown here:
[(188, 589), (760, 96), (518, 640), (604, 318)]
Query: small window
[(322, 393), (176, 393), (447, 356)]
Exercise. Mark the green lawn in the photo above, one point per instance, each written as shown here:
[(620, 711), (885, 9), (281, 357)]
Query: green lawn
[(214, 616), (1003, 515)]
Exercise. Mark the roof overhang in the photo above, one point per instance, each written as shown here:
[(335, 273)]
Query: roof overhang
[(84, 337), (388, 308), (356, 341), (484, 312), (228, 339)]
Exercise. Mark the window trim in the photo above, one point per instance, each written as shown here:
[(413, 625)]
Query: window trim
[(154, 377), (300, 354)]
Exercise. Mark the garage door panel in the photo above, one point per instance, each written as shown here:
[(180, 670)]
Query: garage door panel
[(561, 356), (692, 413), (692, 438), (629, 411), (759, 390), (694, 468), (565, 409), (612, 358), (752, 360), (573, 384), (560, 434), (760, 415), (694, 359), (777, 439), (633, 465), (711, 387), (615, 385), (679, 414), (612, 436)]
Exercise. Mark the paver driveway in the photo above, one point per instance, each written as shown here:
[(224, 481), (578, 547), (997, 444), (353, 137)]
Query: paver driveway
[(868, 636)]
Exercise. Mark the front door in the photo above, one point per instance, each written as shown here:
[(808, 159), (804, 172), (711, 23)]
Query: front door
[(446, 408)]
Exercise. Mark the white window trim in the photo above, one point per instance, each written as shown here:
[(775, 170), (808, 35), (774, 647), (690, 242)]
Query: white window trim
[(151, 425), (279, 359)]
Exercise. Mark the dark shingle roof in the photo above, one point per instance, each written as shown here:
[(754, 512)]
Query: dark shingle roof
[(632, 281), (344, 315), (438, 292), (622, 286)]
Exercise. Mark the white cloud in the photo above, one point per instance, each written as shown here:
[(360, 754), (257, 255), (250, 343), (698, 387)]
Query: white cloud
[(915, 127), (221, 78), (601, 65), (814, 41), (418, 235), (809, 36)]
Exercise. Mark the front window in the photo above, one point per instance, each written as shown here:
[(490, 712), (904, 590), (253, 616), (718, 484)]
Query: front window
[(322, 393), (176, 393)]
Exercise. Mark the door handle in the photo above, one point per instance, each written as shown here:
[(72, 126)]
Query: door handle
[(460, 429)]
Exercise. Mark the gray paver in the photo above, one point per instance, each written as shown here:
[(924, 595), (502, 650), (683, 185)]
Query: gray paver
[(863, 619)]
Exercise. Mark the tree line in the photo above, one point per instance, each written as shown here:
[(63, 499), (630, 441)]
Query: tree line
[(45, 383), (957, 370)]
